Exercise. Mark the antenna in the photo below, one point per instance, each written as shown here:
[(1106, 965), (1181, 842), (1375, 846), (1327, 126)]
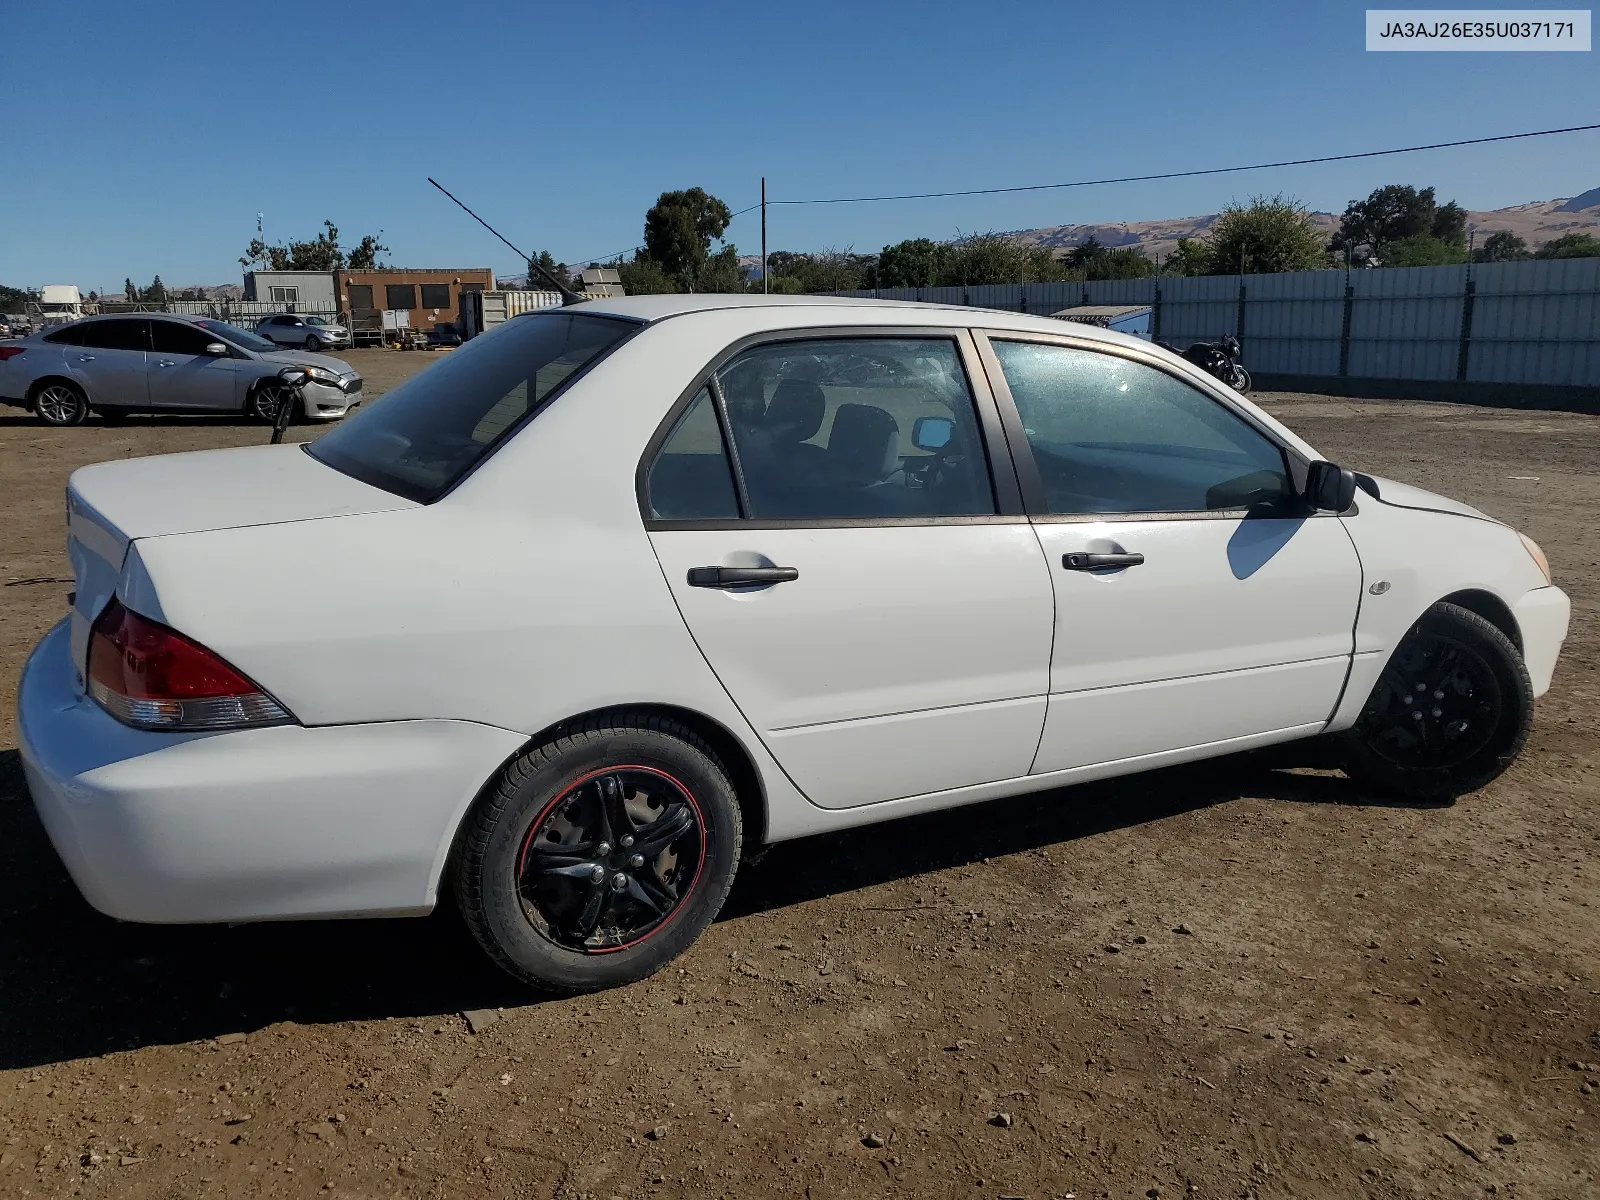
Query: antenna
[(568, 296)]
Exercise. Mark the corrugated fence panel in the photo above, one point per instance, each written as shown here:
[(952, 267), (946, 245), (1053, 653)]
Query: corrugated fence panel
[(1198, 309), (1536, 322), (1292, 322), (1406, 322)]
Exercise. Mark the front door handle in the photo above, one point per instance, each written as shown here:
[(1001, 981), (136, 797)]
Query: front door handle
[(166, 362), (732, 577), (1101, 562)]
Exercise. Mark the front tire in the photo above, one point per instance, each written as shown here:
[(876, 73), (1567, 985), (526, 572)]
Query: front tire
[(601, 855), (1241, 381), (313, 343), (1451, 711), (265, 399)]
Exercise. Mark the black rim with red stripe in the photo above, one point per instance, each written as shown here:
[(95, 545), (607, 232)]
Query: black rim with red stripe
[(609, 861)]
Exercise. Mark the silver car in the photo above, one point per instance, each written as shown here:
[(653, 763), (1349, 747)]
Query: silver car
[(303, 332), (154, 362)]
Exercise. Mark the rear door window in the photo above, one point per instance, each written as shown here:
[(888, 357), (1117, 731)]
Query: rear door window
[(117, 334), (434, 428)]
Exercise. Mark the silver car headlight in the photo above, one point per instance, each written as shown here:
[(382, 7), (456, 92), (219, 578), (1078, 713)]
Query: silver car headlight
[(323, 375)]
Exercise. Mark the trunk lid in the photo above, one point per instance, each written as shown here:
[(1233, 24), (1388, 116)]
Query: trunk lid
[(110, 505)]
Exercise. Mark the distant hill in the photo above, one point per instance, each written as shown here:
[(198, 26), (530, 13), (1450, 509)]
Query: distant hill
[(1536, 223)]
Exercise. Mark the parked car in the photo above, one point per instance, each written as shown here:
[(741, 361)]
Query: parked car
[(303, 332), (625, 591), (150, 362)]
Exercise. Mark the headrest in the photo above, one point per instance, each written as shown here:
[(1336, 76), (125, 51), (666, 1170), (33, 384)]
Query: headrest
[(795, 412), (864, 443)]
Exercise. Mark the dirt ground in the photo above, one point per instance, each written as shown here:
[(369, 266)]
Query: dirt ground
[(1228, 980)]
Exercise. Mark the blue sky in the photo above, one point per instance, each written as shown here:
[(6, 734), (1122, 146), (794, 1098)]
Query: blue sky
[(142, 139)]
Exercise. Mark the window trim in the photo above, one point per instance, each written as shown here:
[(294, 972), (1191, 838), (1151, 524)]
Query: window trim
[(1032, 484), (996, 445)]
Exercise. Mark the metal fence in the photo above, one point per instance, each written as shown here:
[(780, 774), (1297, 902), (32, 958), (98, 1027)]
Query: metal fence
[(1503, 323)]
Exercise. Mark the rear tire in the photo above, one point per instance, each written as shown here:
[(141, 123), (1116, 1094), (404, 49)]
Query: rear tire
[(1451, 711), (546, 874), (59, 403)]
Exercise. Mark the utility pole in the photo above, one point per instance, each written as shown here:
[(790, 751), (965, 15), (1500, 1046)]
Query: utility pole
[(763, 235)]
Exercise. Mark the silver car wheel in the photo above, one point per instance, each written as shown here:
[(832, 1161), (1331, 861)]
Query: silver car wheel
[(59, 404), (264, 401)]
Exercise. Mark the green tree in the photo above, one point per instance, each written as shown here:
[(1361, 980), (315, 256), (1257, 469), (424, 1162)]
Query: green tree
[(644, 276), (1394, 213), (12, 299), (1501, 246), (916, 262), (128, 290), (1571, 245), (723, 272), (321, 253), (1423, 250), (1270, 234), (678, 231), (546, 260), (1191, 257), (156, 293), (365, 256), (1097, 261)]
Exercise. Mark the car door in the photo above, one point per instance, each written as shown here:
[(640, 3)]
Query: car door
[(869, 594), (183, 375), (1199, 603), (109, 361)]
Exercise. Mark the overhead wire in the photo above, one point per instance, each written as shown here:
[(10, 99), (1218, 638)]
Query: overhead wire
[(1191, 174)]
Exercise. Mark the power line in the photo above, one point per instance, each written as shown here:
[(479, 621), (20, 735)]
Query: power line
[(1045, 187), (1293, 162)]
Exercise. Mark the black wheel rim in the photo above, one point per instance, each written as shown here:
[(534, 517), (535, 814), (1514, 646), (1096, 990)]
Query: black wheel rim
[(610, 860), (1437, 704)]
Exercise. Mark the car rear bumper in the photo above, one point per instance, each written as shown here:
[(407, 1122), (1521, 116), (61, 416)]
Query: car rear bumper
[(261, 824), (1542, 617)]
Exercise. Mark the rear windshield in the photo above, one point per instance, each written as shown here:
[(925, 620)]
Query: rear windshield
[(420, 438)]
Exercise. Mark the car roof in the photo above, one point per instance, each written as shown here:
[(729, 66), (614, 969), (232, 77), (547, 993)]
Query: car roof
[(781, 311)]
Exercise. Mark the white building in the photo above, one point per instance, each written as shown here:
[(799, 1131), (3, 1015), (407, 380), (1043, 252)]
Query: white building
[(301, 291)]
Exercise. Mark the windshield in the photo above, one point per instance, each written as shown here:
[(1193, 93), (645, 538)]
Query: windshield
[(431, 430), (237, 336)]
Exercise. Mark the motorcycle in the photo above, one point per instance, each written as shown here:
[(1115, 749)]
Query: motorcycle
[(1220, 359)]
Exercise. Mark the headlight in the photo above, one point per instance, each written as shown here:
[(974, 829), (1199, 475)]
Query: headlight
[(1532, 547), (323, 375)]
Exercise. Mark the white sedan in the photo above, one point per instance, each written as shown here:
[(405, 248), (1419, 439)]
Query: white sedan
[(623, 590)]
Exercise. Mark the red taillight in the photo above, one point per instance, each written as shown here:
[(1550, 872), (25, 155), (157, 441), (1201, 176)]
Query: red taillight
[(10, 352), (152, 677)]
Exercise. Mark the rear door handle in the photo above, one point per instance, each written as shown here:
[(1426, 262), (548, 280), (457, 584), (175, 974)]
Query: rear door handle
[(1100, 562), (85, 358), (166, 362), (732, 577)]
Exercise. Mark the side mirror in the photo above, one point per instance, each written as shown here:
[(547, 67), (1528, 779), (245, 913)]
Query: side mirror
[(1330, 487), (294, 376), (932, 433), (216, 348)]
